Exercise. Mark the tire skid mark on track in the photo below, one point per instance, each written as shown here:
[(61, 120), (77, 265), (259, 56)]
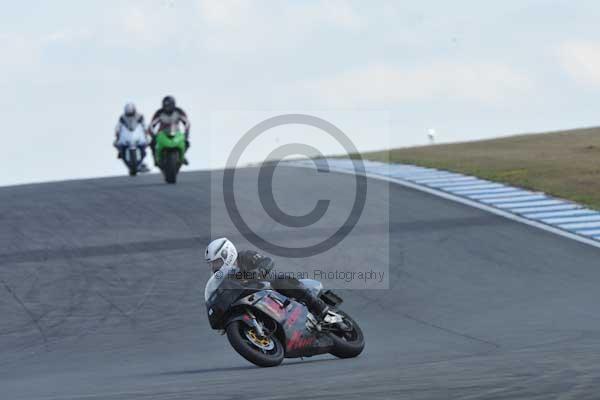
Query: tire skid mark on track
[(76, 297), (34, 318), (85, 273), (450, 331), (145, 297), (92, 273), (164, 245), (368, 301), (115, 306), (151, 246)]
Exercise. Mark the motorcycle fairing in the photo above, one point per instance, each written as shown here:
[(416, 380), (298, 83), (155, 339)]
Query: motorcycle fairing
[(292, 317), (164, 142)]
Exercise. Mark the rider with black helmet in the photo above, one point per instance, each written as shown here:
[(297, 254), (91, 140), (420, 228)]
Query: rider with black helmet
[(166, 117)]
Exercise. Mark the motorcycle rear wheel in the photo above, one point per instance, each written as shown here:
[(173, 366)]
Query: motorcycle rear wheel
[(350, 343), (241, 339)]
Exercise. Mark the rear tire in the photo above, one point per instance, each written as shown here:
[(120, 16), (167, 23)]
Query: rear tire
[(236, 334), (133, 162), (171, 163), (347, 344)]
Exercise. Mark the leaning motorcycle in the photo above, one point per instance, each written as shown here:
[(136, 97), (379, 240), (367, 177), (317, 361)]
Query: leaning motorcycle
[(132, 147), (170, 150), (265, 327)]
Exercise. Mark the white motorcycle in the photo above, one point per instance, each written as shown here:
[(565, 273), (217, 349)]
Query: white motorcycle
[(132, 146)]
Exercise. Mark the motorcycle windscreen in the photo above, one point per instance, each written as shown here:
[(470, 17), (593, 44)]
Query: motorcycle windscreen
[(216, 279)]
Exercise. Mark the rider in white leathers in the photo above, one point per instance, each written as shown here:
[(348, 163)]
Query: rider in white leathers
[(130, 128)]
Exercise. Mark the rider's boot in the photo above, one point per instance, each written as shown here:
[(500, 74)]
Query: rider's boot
[(187, 147), (119, 151), (153, 150), (323, 315), (332, 318), (317, 307)]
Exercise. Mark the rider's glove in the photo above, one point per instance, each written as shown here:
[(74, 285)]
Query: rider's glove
[(264, 265)]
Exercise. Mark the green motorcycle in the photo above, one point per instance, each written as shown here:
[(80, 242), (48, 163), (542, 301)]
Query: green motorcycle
[(170, 153)]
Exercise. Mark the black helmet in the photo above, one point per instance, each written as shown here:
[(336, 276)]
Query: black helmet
[(168, 104)]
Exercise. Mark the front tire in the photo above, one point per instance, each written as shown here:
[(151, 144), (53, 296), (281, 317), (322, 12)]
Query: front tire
[(133, 162), (240, 334), (171, 165), (348, 343)]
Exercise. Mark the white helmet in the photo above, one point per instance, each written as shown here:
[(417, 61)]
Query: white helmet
[(220, 249), (129, 109)]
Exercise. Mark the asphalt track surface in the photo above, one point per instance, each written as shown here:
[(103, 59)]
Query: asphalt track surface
[(101, 286)]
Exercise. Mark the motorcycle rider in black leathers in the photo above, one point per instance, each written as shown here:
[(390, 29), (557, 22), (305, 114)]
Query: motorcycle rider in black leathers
[(222, 252), (168, 116)]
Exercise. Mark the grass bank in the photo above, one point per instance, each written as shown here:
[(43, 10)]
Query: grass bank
[(564, 164)]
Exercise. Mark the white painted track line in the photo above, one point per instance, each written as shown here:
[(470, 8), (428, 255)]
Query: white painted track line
[(581, 225), (566, 206), (473, 187), (512, 199), (591, 232), (448, 185), (511, 193), (430, 181), (502, 189), (564, 220), (520, 204), (565, 213)]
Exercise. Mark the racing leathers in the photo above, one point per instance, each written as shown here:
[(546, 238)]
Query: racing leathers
[(249, 261), (128, 127), (164, 121)]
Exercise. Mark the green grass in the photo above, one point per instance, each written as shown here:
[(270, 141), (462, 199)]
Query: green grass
[(564, 164)]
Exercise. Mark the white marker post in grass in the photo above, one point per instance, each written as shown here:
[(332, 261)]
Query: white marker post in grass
[(431, 135)]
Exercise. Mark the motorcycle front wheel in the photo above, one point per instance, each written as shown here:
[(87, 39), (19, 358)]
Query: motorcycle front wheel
[(171, 166), (262, 351), (133, 162)]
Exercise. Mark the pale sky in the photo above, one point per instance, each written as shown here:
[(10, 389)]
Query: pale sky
[(468, 69)]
